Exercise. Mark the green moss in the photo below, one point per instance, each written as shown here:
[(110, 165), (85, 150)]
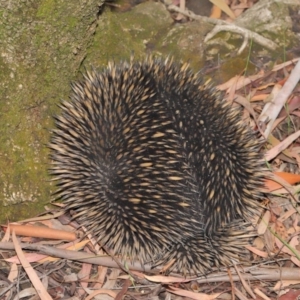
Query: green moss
[(72, 21), (47, 9), (121, 35), (36, 67)]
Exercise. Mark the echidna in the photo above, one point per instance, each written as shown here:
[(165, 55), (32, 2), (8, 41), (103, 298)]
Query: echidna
[(156, 165)]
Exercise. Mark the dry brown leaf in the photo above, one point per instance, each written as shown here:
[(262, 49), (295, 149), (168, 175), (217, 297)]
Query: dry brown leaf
[(282, 146), (112, 279), (258, 243), (272, 109), (13, 274), (244, 283), (270, 239), (264, 223), (259, 97), (285, 64), (42, 232), (239, 82), (39, 287), (239, 294), (166, 279), (261, 294), (31, 257), (259, 253), (288, 213), (215, 12), (285, 283), (224, 7), (83, 277), (192, 295), (100, 292)]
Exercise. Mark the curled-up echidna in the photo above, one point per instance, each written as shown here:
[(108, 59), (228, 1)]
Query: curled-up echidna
[(156, 165)]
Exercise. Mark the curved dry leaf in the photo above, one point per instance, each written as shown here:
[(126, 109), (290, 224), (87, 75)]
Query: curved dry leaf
[(26, 293), (282, 146), (83, 277), (111, 279), (31, 257), (264, 223), (193, 295), (287, 214), (272, 109), (237, 82), (283, 284), (285, 64), (36, 282), (289, 178), (257, 252)]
